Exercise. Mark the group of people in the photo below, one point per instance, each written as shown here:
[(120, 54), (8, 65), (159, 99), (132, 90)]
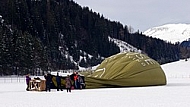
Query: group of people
[(78, 80), (74, 81), (77, 83), (68, 83)]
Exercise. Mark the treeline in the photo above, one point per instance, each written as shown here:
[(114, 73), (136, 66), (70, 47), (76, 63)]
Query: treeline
[(60, 34), (161, 51)]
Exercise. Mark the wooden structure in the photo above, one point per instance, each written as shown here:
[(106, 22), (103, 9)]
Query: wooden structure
[(37, 85)]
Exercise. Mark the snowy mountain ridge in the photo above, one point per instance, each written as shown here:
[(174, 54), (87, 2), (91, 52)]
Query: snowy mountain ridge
[(170, 32)]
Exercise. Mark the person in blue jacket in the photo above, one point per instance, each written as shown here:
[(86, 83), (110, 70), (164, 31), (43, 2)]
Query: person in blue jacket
[(58, 80), (48, 81)]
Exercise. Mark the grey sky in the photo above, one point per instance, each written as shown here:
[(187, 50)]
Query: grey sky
[(141, 14)]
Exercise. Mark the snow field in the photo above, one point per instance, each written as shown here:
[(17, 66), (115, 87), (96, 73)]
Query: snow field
[(175, 94)]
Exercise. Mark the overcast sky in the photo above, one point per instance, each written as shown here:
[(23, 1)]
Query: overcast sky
[(141, 14)]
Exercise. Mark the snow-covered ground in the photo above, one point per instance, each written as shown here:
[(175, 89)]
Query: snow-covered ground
[(175, 94)]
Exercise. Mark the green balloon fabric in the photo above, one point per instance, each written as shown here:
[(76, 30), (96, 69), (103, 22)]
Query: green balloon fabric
[(126, 70)]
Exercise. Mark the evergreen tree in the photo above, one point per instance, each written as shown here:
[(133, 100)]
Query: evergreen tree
[(43, 33)]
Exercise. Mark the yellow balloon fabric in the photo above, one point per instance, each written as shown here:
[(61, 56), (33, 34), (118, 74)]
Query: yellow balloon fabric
[(126, 70)]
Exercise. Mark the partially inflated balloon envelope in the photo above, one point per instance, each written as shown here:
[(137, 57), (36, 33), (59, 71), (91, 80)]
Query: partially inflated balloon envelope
[(126, 70)]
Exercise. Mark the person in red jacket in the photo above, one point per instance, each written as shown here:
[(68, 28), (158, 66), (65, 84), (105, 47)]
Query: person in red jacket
[(76, 80)]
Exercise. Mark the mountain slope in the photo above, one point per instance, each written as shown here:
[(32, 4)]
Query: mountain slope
[(170, 32), (124, 46), (60, 34)]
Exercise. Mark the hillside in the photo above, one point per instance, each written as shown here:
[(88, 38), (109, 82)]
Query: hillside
[(60, 34), (170, 32)]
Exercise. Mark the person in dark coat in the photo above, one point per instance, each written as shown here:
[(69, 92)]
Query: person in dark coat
[(80, 82), (68, 83), (48, 82), (27, 81), (58, 80)]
